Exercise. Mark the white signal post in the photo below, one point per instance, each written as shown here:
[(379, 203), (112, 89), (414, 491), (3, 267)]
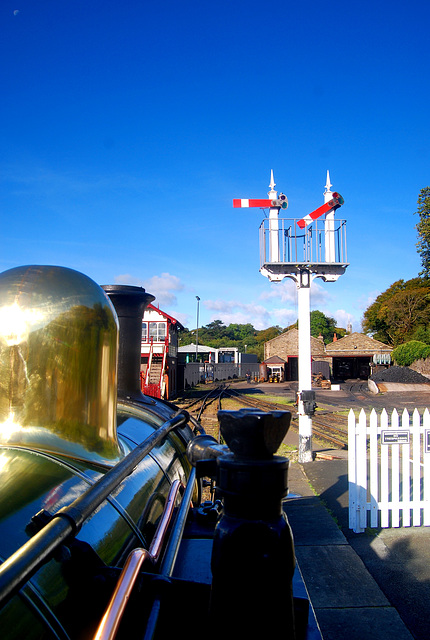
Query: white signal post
[(329, 225), (278, 266), (303, 283), (273, 222)]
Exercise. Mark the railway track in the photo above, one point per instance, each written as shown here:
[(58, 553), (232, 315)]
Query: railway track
[(201, 406), (332, 428), (326, 426)]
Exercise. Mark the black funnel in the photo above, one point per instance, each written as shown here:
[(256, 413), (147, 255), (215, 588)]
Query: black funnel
[(130, 303)]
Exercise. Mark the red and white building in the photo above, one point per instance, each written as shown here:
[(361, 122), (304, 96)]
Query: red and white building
[(159, 353)]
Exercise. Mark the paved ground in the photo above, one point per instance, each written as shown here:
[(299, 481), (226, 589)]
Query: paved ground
[(375, 584), (353, 394), (397, 559)]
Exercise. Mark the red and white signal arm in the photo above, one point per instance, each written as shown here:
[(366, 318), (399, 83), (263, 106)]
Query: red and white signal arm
[(281, 201), (251, 203), (336, 202)]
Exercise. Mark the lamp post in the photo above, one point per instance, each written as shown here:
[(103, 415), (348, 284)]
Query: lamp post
[(197, 330)]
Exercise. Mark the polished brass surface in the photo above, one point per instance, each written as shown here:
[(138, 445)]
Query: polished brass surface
[(58, 364)]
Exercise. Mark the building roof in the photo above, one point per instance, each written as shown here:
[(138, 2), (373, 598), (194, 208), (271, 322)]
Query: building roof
[(171, 319), (352, 345), (191, 348), (287, 344), (355, 344), (274, 360)]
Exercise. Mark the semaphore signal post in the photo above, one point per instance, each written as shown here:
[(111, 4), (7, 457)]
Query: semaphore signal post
[(313, 246)]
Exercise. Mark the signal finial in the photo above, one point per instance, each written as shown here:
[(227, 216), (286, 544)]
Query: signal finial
[(328, 183), (272, 193)]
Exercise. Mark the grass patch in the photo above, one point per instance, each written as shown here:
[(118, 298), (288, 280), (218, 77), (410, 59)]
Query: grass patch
[(274, 399), (285, 450), (331, 513)]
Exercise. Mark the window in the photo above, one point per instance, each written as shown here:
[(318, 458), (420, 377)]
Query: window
[(161, 331), (157, 331), (144, 332)]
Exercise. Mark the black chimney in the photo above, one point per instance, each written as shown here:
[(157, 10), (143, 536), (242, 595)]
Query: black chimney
[(130, 303)]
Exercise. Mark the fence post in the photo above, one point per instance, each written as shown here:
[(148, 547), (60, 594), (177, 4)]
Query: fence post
[(373, 468), (395, 474), (352, 476), (416, 469), (362, 469), (357, 485), (384, 471), (406, 473), (426, 465)]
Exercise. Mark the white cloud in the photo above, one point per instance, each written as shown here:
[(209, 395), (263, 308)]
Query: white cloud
[(163, 287), (285, 291), (319, 295), (365, 301), (343, 318), (232, 312), (284, 317)]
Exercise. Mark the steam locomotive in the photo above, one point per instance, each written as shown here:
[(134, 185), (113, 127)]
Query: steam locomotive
[(103, 532)]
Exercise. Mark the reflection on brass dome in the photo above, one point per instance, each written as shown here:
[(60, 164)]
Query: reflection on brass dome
[(58, 363)]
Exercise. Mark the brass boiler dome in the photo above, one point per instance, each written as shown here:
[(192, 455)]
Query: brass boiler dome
[(58, 364), (59, 444)]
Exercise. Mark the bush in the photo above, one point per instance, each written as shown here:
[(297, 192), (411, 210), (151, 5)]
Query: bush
[(405, 354)]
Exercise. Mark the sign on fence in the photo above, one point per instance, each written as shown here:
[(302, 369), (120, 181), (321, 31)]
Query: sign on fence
[(388, 470)]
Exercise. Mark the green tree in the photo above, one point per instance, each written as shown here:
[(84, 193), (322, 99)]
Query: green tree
[(216, 329), (267, 334), (322, 325), (185, 336), (399, 312), (423, 231), (422, 334), (405, 354), (243, 336)]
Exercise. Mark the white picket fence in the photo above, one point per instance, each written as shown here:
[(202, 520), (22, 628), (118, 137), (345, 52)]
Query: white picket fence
[(388, 470)]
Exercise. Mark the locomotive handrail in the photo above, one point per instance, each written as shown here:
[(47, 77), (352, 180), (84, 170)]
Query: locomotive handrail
[(160, 534), (22, 564), (112, 617), (171, 553), (110, 622)]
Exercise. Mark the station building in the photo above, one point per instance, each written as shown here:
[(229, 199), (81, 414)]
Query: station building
[(353, 356), (357, 356), (159, 353), (201, 353), (199, 363), (281, 355)]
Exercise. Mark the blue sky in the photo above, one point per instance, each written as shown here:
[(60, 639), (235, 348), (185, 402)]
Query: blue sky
[(127, 128)]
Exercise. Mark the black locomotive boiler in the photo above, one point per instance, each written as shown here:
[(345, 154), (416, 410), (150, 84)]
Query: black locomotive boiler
[(102, 533)]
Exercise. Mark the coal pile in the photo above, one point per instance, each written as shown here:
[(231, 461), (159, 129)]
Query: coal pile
[(399, 374)]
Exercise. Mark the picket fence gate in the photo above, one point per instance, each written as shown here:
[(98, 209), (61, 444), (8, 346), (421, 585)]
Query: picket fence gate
[(388, 470)]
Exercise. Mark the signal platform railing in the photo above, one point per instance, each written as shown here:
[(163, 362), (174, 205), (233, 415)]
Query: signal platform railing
[(283, 241)]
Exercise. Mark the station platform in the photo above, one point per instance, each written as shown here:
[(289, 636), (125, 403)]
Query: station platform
[(373, 584), (346, 600)]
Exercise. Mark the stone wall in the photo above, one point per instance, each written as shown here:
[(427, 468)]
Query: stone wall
[(422, 366)]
